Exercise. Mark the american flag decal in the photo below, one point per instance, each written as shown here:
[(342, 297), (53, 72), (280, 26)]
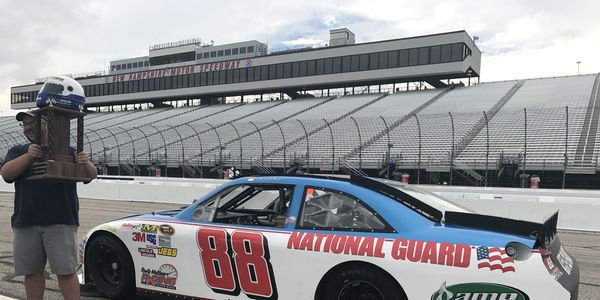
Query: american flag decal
[(494, 258)]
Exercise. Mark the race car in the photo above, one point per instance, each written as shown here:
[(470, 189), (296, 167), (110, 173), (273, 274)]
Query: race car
[(320, 237)]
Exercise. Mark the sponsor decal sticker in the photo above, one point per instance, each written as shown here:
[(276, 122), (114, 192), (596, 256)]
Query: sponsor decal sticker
[(164, 241), (163, 277), (167, 230), (494, 258), (565, 261), (129, 226), (164, 251), (478, 291), (148, 228), (143, 237), (446, 254), (147, 252)]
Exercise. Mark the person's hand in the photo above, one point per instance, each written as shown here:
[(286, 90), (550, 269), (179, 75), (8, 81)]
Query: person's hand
[(34, 151), (82, 158)]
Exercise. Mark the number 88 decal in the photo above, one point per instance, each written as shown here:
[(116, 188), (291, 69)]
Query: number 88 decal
[(239, 261)]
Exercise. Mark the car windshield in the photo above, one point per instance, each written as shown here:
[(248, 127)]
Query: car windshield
[(429, 198)]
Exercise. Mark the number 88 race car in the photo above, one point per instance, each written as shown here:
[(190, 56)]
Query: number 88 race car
[(316, 237)]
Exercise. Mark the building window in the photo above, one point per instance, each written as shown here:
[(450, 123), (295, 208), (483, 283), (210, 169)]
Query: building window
[(134, 65), (413, 57), (264, 73), (234, 51), (295, 69), (243, 72), (328, 65), (457, 52), (423, 55), (435, 54), (337, 64), (213, 53), (250, 49), (279, 71), (312, 68), (129, 66), (354, 63), (287, 70), (374, 61), (198, 55), (364, 62), (242, 50), (220, 53), (206, 55), (403, 58), (320, 66), (227, 51), (303, 67), (118, 67), (272, 71), (146, 63)]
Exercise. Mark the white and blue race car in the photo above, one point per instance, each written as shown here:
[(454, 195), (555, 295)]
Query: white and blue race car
[(318, 237)]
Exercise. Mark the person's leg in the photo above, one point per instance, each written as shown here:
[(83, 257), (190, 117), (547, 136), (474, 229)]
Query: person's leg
[(30, 260), (35, 284), (69, 286), (60, 243)]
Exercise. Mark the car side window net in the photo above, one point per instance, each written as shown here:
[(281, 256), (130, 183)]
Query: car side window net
[(328, 209)]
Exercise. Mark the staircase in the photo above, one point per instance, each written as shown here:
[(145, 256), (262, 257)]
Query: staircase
[(349, 113), (397, 123), (353, 169), (476, 129), (259, 166), (583, 162)]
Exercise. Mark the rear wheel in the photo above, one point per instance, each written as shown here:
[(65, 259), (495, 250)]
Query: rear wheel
[(110, 267), (360, 282)]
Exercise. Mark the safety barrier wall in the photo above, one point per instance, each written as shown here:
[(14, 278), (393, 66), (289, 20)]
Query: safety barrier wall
[(579, 209)]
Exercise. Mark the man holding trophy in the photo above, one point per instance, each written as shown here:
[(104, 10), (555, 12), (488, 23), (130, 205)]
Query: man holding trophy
[(45, 172)]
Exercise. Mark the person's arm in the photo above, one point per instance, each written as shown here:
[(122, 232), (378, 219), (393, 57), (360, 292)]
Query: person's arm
[(84, 159), (14, 167)]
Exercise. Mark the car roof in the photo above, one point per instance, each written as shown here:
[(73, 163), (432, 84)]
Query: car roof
[(425, 209)]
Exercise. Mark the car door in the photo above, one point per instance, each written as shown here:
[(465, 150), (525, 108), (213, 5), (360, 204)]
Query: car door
[(235, 241)]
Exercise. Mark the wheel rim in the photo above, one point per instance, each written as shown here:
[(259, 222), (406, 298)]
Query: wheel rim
[(360, 290), (109, 265)]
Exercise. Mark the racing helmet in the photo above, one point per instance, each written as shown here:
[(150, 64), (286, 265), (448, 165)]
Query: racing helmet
[(61, 91)]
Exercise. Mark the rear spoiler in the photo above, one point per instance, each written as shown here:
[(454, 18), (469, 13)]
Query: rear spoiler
[(543, 233)]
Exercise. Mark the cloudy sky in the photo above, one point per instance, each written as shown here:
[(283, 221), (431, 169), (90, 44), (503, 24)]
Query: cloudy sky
[(519, 39)]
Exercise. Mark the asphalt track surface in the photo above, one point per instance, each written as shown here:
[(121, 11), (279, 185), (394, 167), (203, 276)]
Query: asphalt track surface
[(585, 246)]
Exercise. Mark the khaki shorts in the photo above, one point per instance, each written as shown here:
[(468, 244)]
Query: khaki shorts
[(34, 245)]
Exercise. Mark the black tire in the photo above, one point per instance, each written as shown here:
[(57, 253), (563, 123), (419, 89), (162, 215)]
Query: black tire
[(109, 265), (360, 282)]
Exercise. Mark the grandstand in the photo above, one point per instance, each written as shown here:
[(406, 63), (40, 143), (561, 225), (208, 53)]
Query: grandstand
[(426, 118)]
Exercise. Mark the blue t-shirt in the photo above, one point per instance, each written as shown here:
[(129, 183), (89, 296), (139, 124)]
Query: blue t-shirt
[(40, 202)]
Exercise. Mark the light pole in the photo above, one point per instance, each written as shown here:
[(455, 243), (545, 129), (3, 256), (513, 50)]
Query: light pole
[(578, 63)]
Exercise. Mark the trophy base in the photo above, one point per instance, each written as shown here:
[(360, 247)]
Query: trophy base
[(58, 171)]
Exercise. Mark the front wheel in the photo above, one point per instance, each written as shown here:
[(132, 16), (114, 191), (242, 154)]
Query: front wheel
[(361, 282), (110, 267)]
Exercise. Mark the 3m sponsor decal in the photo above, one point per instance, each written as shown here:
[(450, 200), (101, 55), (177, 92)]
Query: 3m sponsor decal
[(165, 277), (143, 237), (478, 291), (456, 255), (167, 230), (494, 258), (129, 226), (446, 254), (147, 252), (337, 243), (148, 228), (164, 241), (164, 251)]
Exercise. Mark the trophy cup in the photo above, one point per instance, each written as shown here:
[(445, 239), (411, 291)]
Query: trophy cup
[(60, 100)]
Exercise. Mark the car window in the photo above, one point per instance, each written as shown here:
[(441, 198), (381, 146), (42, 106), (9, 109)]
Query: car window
[(258, 205), (330, 209)]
